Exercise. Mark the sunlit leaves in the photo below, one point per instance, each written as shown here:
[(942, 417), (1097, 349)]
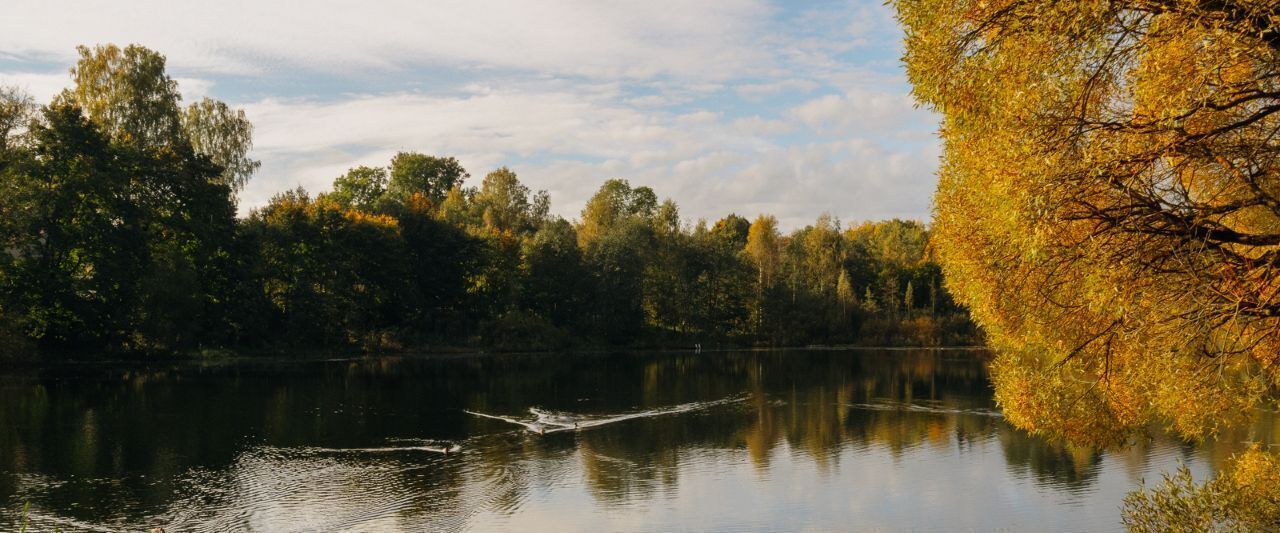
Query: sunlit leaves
[(127, 92), (615, 202), (16, 111), (360, 188), (226, 136), (1108, 209), (1244, 498), (1107, 204), (505, 204), (764, 249), (431, 176)]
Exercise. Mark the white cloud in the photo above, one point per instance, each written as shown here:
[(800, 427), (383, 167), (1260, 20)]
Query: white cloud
[(297, 139), (852, 179), (43, 86), (759, 126), (627, 39), (862, 111), (193, 89), (757, 90), (696, 99), (568, 144), (39, 85)]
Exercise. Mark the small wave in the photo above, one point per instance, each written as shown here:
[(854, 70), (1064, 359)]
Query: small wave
[(550, 418), (442, 449), (914, 408), (37, 519), (610, 459), (555, 422)]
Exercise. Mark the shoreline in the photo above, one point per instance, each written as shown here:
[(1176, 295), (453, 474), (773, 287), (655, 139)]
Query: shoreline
[(319, 356)]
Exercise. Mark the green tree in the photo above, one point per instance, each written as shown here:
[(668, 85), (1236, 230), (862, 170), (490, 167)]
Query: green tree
[(670, 297), (555, 278), (226, 136), (433, 177), (505, 206), (127, 92), (666, 220), (617, 260), (442, 258), (75, 246), (732, 230), (16, 111), (892, 242), (696, 284), (332, 275), (1244, 497), (164, 190), (190, 223), (869, 303), (721, 280), (130, 96), (360, 188), (822, 255), (615, 202), (457, 207)]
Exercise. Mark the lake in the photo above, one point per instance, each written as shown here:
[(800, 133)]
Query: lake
[(791, 440)]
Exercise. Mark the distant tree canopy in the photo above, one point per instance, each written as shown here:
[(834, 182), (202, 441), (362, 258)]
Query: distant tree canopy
[(433, 177), (131, 98), (16, 111), (119, 234), (1109, 203), (225, 135)]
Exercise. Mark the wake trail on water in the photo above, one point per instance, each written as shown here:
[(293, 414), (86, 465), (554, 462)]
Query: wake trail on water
[(545, 421), (912, 408), (533, 426), (444, 449), (433, 449)]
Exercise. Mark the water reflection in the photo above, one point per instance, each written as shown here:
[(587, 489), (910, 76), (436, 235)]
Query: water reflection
[(753, 440)]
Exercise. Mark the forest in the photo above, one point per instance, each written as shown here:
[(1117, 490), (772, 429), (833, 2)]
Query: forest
[(120, 236)]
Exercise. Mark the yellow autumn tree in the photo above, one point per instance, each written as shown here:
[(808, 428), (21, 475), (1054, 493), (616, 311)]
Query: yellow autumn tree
[(764, 248), (1108, 204)]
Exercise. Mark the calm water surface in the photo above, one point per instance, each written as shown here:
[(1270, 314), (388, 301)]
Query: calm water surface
[(740, 441)]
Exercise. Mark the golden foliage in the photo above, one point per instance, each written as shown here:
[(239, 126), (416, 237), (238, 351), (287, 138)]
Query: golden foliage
[(1108, 203), (356, 216), (1246, 497)]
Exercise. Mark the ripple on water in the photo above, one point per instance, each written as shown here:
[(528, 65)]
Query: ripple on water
[(408, 488), (815, 458), (304, 489)]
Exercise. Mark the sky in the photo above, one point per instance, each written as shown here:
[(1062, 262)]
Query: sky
[(726, 106)]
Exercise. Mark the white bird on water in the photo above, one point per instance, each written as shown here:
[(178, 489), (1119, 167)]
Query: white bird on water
[(548, 422), (536, 426), (554, 419)]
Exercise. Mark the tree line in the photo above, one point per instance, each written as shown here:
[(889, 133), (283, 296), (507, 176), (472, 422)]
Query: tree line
[(120, 235)]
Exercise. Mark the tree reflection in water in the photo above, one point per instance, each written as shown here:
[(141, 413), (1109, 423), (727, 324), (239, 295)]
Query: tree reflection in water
[(910, 436)]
